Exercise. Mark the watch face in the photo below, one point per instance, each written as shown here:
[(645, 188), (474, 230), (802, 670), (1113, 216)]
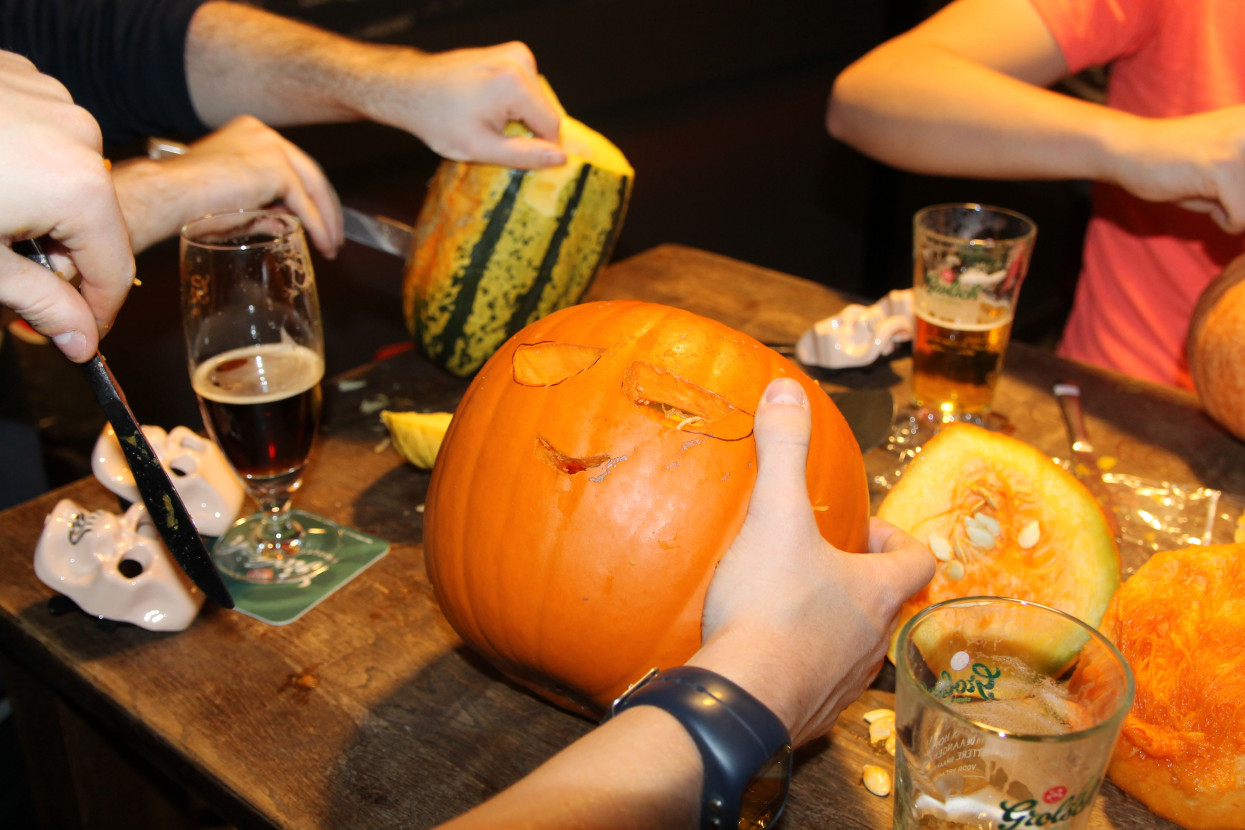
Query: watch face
[(766, 793)]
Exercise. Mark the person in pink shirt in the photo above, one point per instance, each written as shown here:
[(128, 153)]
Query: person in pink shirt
[(965, 93)]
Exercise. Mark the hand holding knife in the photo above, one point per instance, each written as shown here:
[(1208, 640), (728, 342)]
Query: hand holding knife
[(168, 513)]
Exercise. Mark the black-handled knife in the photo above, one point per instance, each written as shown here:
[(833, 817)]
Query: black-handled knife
[(164, 504)]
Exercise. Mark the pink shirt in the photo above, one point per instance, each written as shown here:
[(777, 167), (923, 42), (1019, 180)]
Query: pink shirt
[(1145, 263)]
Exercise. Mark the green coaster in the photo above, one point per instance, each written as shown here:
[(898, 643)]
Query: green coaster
[(282, 603)]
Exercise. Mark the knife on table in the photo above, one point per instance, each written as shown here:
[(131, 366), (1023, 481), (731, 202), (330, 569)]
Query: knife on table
[(1084, 457), (168, 513)]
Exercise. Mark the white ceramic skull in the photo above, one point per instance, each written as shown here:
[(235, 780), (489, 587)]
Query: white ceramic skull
[(115, 567), (859, 334), (209, 488)]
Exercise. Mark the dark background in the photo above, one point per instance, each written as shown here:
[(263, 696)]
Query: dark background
[(719, 105)]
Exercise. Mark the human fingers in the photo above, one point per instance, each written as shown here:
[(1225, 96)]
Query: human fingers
[(782, 430), (909, 562), (1230, 221), (49, 304), (315, 201), (95, 237), (779, 533), (63, 190), (247, 164)]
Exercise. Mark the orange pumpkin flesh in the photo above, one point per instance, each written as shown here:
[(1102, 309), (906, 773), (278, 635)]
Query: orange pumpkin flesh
[(1073, 563), (1180, 623), (596, 470)]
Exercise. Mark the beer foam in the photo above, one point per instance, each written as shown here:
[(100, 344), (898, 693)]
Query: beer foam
[(961, 325), (258, 374)]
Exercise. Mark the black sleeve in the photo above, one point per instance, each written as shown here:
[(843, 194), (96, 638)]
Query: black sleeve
[(122, 60)]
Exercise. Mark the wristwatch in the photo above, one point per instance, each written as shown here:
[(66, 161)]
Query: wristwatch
[(745, 748)]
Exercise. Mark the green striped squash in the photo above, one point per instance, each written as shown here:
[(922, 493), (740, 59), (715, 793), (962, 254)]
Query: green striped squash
[(497, 248)]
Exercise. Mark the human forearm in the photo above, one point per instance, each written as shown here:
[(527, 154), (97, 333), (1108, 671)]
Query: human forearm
[(919, 107), (242, 60), (639, 770)]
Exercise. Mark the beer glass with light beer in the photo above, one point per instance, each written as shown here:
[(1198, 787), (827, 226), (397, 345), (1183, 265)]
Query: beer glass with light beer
[(251, 317), (969, 261)]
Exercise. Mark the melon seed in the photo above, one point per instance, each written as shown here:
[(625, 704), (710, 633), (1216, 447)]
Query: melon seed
[(940, 547), (989, 523), (979, 535), (1029, 535)]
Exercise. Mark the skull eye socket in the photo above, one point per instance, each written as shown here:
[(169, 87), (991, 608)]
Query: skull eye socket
[(548, 363), (130, 568)]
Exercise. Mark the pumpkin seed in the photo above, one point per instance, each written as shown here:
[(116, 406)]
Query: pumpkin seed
[(955, 571), (1029, 535), (979, 536), (881, 729), (877, 714), (876, 780), (989, 523), (890, 745), (940, 547)]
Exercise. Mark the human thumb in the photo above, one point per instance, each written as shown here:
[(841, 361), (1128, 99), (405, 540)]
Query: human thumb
[(782, 430)]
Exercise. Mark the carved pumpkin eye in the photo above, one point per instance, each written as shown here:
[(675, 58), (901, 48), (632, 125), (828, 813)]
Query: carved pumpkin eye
[(548, 363), (685, 405)]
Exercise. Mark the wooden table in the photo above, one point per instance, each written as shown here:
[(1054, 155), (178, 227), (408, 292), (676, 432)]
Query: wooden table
[(368, 712)]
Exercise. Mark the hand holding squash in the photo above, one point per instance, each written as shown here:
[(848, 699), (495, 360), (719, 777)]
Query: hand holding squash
[(799, 623)]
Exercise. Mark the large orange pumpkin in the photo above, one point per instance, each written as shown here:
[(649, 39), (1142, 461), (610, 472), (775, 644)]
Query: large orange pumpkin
[(595, 471)]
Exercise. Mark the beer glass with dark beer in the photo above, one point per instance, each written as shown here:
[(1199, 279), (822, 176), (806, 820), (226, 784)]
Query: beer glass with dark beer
[(251, 316), (969, 261)]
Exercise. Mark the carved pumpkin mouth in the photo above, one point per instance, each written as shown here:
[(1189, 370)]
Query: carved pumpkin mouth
[(676, 402)]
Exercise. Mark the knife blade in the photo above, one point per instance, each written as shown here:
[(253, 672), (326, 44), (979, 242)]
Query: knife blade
[(164, 505), (869, 412), (379, 232), (1084, 456)]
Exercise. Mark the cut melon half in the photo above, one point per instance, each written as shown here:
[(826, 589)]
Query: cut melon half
[(1003, 519)]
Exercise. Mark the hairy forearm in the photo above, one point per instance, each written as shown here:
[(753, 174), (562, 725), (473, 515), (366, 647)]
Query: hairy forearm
[(922, 108), (155, 201), (242, 60)]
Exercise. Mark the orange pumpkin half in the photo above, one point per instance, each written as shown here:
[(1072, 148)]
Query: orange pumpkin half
[(595, 471)]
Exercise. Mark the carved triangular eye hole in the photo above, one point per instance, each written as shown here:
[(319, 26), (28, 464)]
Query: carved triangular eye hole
[(549, 363), (684, 405)]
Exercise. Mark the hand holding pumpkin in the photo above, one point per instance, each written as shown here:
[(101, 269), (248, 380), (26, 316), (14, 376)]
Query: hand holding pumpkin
[(800, 624)]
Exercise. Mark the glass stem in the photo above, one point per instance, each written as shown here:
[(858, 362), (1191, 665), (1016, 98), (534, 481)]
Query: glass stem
[(279, 533)]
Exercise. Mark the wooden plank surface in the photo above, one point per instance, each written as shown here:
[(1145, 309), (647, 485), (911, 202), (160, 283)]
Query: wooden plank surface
[(394, 722)]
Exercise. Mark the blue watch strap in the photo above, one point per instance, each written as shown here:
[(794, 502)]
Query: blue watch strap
[(736, 734)]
